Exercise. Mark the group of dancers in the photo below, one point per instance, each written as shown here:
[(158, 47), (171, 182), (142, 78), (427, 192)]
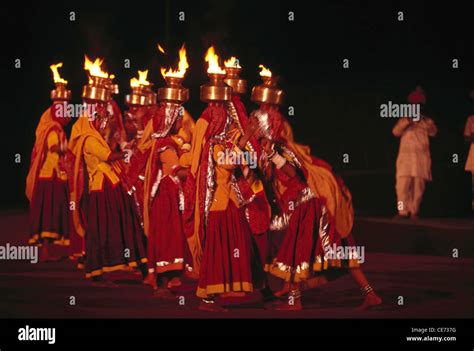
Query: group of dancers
[(154, 192)]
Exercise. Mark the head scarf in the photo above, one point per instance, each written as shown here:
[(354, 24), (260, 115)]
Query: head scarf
[(167, 116), (82, 129), (47, 123)]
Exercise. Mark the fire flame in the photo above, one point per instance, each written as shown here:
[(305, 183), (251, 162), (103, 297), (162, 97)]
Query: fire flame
[(94, 68), (265, 72), (160, 48), (141, 81), (182, 66), (213, 62), (233, 62), (56, 76)]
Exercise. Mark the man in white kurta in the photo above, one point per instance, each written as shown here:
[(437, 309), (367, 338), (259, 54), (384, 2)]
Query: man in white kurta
[(414, 159), (413, 163), (469, 137)]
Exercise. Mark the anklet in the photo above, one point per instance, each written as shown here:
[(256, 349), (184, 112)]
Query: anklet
[(296, 294), (366, 290)]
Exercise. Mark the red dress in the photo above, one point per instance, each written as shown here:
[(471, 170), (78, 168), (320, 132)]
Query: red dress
[(308, 235), (49, 206), (228, 259), (114, 238), (166, 238)]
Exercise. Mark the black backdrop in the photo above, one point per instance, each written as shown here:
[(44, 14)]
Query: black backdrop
[(336, 109)]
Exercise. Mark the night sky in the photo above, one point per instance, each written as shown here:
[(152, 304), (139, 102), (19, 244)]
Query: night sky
[(337, 110)]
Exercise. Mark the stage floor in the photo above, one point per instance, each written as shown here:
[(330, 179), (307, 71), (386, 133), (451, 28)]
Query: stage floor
[(431, 287)]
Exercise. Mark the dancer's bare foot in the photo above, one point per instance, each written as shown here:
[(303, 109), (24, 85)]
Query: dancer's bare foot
[(151, 280), (211, 306), (370, 301), (80, 262), (174, 283), (163, 293), (414, 217), (282, 291)]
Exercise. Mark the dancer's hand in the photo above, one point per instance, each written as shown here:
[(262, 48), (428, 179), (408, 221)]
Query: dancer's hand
[(117, 155), (250, 129), (252, 126), (267, 145)]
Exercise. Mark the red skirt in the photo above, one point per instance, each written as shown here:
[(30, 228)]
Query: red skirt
[(137, 196), (262, 247), (114, 236), (301, 255), (166, 239), (227, 261), (49, 212)]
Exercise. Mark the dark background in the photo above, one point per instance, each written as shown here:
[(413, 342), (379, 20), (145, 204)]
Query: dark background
[(337, 110)]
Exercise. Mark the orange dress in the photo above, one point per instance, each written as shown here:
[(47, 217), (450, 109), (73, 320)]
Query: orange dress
[(47, 186), (226, 263), (113, 235)]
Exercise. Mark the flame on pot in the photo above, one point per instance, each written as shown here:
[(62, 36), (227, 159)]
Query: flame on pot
[(265, 72), (57, 78), (141, 81), (213, 62), (182, 66)]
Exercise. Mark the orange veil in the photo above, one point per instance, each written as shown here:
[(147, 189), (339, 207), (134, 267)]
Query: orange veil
[(81, 130), (45, 125)]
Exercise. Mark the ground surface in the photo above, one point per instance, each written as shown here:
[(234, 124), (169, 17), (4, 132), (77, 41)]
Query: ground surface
[(431, 287)]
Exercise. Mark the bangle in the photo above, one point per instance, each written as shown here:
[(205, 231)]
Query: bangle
[(270, 156), (278, 160)]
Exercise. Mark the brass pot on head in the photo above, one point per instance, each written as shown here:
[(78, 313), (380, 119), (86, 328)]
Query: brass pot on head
[(151, 97), (216, 89), (97, 89), (173, 91), (94, 93), (232, 79), (137, 97), (60, 93), (100, 81), (114, 88), (267, 92)]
